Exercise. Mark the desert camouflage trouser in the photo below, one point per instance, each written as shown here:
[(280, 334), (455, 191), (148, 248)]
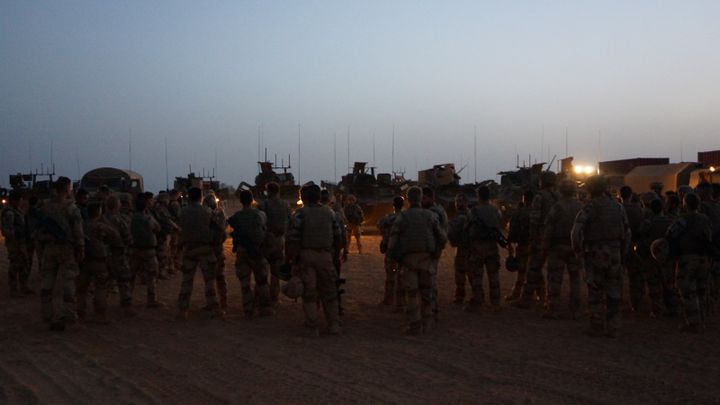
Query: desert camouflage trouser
[(603, 275), (220, 281), (534, 280), (522, 254), (18, 269), (175, 261), (484, 258), (58, 259), (660, 279), (246, 268), (418, 277), (463, 273), (201, 256), (560, 258), (317, 272), (692, 278), (163, 255), (119, 268), (394, 292), (274, 252), (354, 230), (144, 264), (93, 270)]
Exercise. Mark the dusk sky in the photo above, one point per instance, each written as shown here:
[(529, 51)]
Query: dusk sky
[(626, 78)]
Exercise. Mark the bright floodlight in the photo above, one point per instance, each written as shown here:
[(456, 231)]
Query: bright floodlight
[(578, 169), (299, 202), (589, 170), (712, 168)]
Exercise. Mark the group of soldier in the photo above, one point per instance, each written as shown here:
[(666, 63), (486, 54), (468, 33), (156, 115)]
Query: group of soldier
[(110, 241)]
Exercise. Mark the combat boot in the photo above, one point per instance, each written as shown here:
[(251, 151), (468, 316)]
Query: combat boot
[(332, 315)]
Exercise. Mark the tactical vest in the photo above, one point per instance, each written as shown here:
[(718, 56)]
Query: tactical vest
[(195, 223), (142, 231), (94, 240), (605, 221), (17, 224), (354, 214), (276, 211), (569, 208), (66, 216), (218, 230), (652, 228), (635, 217), (442, 217), (387, 223), (417, 234), (248, 226), (520, 226), (457, 236), (317, 227), (694, 239), (482, 223), (118, 222)]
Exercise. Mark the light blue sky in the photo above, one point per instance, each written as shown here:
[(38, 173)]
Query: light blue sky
[(643, 74)]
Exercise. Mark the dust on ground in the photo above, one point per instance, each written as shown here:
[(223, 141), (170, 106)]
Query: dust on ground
[(513, 356)]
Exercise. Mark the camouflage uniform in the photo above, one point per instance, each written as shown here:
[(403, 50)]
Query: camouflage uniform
[(602, 233), (218, 244), (32, 221), (314, 233), (197, 224), (273, 248), (660, 277), (519, 234), (442, 218), (94, 268), (711, 208), (355, 217), (168, 227), (118, 262), (636, 277), (483, 224), (415, 238), (340, 251), (458, 239), (143, 256), (60, 246), (691, 236), (15, 232), (175, 262), (535, 283), (393, 279), (556, 242), (249, 230)]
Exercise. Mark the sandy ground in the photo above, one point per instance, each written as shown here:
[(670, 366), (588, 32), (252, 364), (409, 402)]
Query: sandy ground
[(509, 357)]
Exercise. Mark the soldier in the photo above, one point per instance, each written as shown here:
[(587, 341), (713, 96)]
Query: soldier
[(174, 208), (32, 221), (415, 237), (483, 228), (340, 252), (601, 234), (277, 212), (672, 206), (314, 233), (660, 275), (355, 217), (690, 236), (249, 232), (393, 291), (657, 188), (428, 202), (458, 239), (636, 279), (82, 198), (542, 201), (118, 263), (143, 261), (15, 232), (63, 240), (519, 239), (557, 247), (98, 234), (167, 227), (218, 246), (197, 225), (711, 207)]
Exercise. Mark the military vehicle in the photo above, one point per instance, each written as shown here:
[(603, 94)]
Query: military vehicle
[(289, 191), (38, 183), (204, 181), (445, 181), (117, 180)]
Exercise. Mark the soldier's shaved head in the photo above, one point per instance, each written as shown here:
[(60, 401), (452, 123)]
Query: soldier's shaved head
[(414, 195)]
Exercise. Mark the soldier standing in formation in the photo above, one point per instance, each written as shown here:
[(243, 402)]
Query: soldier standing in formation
[(636, 277), (14, 230), (61, 234), (428, 202), (340, 252), (249, 229), (218, 246), (710, 206), (601, 234), (197, 226), (118, 261), (354, 216), (32, 221), (143, 257), (557, 247), (174, 208), (519, 242), (483, 228), (542, 201), (691, 238), (394, 292), (167, 228), (278, 214), (415, 238), (458, 239), (313, 234)]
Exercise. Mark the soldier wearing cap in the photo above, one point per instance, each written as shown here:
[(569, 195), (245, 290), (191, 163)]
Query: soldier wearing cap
[(601, 234)]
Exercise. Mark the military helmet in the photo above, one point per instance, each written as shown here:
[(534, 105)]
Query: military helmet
[(596, 184), (210, 201), (293, 288), (567, 187), (660, 249), (548, 179), (512, 264)]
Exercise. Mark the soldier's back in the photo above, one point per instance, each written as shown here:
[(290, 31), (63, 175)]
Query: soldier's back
[(195, 223)]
